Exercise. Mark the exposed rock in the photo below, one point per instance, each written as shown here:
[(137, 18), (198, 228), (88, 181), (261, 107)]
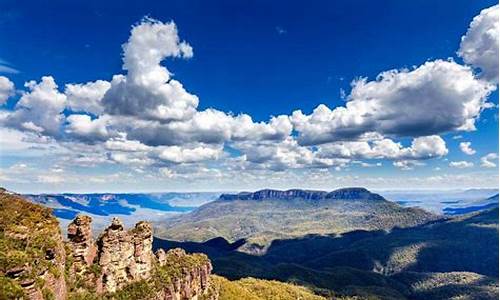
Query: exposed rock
[(116, 257), (120, 264), (346, 193), (143, 245), (193, 281), (125, 257), (81, 244), (161, 256)]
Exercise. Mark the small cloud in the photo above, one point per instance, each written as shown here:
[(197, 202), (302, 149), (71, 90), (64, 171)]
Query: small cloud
[(6, 67), (457, 137), (407, 165), (343, 94), (280, 30), (487, 160), (466, 148), (461, 164)]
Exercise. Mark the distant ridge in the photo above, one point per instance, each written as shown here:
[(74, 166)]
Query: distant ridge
[(344, 193), (267, 215)]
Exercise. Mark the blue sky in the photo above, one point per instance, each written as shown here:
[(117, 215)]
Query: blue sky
[(255, 58)]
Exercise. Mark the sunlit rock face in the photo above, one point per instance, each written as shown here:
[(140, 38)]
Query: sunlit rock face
[(123, 257), (81, 244), (38, 264), (116, 256)]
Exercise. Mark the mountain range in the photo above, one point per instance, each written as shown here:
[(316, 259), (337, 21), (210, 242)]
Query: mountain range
[(302, 244), (348, 242), (268, 215)]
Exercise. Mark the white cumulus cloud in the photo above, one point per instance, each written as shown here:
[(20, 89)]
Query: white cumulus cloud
[(435, 98), (148, 91), (40, 109), (489, 160), (87, 97), (6, 89), (465, 147), (461, 164), (479, 46)]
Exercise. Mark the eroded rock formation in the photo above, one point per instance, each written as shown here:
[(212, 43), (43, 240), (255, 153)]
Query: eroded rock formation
[(124, 257), (37, 264), (81, 244)]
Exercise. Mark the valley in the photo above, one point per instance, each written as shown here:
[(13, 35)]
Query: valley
[(348, 243)]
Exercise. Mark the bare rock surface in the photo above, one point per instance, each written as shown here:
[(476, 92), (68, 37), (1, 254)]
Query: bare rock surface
[(125, 259)]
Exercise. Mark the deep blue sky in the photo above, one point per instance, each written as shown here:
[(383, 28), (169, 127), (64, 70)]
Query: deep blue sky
[(257, 57), (241, 62)]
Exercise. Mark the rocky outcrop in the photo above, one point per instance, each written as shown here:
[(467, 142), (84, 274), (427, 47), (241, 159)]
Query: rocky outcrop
[(125, 257), (346, 194), (143, 245), (116, 257), (37, 264), (192, 282), (80, 243), (33, 254)]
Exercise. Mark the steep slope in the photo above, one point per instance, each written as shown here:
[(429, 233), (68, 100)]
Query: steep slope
[(456, 257), (258, 289), (267, 215), (36, 264), (32, 256)]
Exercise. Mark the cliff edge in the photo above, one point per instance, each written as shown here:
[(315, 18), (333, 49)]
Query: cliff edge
[(35, 262)]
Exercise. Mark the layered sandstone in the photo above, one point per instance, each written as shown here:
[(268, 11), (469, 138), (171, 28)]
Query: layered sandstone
[(193, 280), (119, 264), (82, 246), (125, 257)]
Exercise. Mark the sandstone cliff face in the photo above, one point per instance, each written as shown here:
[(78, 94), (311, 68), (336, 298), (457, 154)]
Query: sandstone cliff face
[(192, 283), (36, 264), (125, 256), (125, 263), (345, 194), (81, 244)]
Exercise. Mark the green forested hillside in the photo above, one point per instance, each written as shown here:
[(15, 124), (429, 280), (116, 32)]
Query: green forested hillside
[(443, 259), (266, 217)]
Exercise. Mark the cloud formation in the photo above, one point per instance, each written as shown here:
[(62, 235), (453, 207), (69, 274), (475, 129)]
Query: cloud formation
[(461, 164), (144, 118), (466, 148), (148, 91), (489, 160), (6, 89), (40, 109), (435, 98), (87, 97), (479, 46)]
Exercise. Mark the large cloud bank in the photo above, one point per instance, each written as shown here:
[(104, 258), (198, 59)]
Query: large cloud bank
[(144, 118)]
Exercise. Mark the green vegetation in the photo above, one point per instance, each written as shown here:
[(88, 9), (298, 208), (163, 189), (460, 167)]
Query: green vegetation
[(258, 289), (176, 265), (10, 289), (262, 221), (378, 264), (29, 241), (451, 285)]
